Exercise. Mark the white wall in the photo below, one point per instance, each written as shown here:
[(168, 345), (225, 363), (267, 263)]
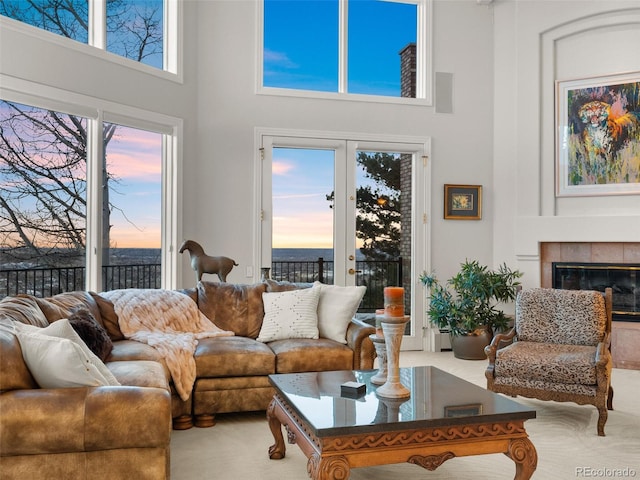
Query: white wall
[(536, 44), (220, 109), (222, 197)]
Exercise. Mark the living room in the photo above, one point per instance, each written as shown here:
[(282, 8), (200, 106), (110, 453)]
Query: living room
[(505, 58)]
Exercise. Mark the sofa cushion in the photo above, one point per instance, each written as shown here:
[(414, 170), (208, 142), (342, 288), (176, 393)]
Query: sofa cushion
[(139, 373), (306, 355), (292, 314), (57, 357), (233, 357), (237, 308), (23, 308), (568, 364), (63, 304), (14, 374), (92, 333), (336, 307)]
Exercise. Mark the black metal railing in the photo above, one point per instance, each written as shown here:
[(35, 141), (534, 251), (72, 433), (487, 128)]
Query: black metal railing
[(373, 274), (45, 282)]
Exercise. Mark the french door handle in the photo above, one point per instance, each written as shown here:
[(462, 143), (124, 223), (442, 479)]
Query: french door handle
[(353, 272)]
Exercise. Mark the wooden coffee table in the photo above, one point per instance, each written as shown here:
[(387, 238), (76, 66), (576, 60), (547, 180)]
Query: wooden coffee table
[(445, 417)]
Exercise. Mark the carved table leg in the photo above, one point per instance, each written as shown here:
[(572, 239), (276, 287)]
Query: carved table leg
[(330, 468), (522, 451), (277, 450)]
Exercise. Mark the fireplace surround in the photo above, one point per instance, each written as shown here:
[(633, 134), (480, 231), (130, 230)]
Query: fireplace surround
[(623, 278), (625, 335)]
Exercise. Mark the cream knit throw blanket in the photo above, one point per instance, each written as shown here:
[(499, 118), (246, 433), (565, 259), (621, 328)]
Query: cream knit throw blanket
[(170, 322)]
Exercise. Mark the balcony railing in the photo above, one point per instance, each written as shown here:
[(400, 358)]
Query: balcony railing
[(374, 274), (45, 282)]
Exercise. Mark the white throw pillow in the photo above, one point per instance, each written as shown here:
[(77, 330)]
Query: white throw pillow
[(336, 308), (291, 314), (58, 358)]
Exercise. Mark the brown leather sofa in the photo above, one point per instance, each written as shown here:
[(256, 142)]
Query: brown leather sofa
[(107, 432), (124, 431)]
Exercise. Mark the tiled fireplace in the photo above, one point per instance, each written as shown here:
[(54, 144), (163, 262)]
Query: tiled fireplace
[(625, 338)]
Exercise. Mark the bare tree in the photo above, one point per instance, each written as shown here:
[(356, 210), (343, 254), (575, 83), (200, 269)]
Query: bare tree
[(43, 153)]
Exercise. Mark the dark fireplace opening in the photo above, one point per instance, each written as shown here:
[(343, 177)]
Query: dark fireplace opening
[(623, 278)]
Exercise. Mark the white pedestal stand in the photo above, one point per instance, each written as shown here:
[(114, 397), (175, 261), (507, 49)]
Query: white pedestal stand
[(381, 351), (393, 328)]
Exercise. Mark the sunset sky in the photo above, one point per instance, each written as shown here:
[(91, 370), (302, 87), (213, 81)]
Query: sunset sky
[(135, 158)]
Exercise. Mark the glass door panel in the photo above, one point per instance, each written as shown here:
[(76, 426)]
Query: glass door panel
[(383, 219), (302, 236)]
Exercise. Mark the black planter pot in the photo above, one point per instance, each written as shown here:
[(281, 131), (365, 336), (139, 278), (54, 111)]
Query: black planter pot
[(471, 346)]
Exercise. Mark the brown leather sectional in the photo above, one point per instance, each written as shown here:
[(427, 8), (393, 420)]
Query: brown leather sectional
[(78, 432)]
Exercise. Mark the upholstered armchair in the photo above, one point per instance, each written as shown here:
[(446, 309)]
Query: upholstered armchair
[(560, 349)]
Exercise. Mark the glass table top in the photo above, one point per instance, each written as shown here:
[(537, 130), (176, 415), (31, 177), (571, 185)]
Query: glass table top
[(437, 399)]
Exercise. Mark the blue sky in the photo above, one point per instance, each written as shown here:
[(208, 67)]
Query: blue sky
[(301, 44)]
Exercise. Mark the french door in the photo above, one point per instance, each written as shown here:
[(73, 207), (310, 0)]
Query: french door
[(354, 208)]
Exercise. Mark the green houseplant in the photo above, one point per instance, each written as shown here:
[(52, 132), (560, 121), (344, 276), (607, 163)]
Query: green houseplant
[(467, 304)]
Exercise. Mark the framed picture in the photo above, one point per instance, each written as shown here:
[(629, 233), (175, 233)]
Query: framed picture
[(598, 136), (463, 410), (463, 202)]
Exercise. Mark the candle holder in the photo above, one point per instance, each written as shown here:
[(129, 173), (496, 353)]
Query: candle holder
[(393, 328), (381, 351)]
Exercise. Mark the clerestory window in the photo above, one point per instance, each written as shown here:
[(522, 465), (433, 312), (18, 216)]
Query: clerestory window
[(139, 30), (353, 47)]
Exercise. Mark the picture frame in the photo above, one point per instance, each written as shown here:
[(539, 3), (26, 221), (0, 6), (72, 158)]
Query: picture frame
[(598, 136), (463, 410), (463, 202)]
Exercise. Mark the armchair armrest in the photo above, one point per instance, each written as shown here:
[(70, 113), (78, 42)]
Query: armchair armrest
[(602, 350), (491, 349), (358, 340)]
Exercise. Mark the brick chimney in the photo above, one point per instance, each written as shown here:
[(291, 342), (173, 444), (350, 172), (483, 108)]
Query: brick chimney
[(408, 71)]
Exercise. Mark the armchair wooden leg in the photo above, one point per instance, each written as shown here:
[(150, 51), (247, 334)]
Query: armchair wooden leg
[(602, 419), (610, 398)]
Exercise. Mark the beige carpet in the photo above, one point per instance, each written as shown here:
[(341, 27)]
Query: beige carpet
[(564, 435)]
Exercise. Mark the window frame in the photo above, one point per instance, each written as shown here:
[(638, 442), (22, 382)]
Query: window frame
[(97, 111), (96, 45), (424, 61)]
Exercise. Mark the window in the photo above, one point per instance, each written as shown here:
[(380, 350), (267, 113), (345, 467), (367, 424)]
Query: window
[(86, 203), (382, 51), (133, 29), (43, 206), (132, 211)]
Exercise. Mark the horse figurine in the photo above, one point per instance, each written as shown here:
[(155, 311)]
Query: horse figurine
[(203, 263)]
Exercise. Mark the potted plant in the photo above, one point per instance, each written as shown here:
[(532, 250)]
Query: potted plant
[(467, 305)]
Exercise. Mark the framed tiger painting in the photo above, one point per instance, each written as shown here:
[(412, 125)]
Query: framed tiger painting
[(598, 136)]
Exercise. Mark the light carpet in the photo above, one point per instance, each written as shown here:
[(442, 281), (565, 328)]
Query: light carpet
[(564, 435)]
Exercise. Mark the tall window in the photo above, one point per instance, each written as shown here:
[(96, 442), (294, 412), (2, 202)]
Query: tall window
[(43, 205), (134, 28), (383, 50), (51, 217), (132, 244)]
